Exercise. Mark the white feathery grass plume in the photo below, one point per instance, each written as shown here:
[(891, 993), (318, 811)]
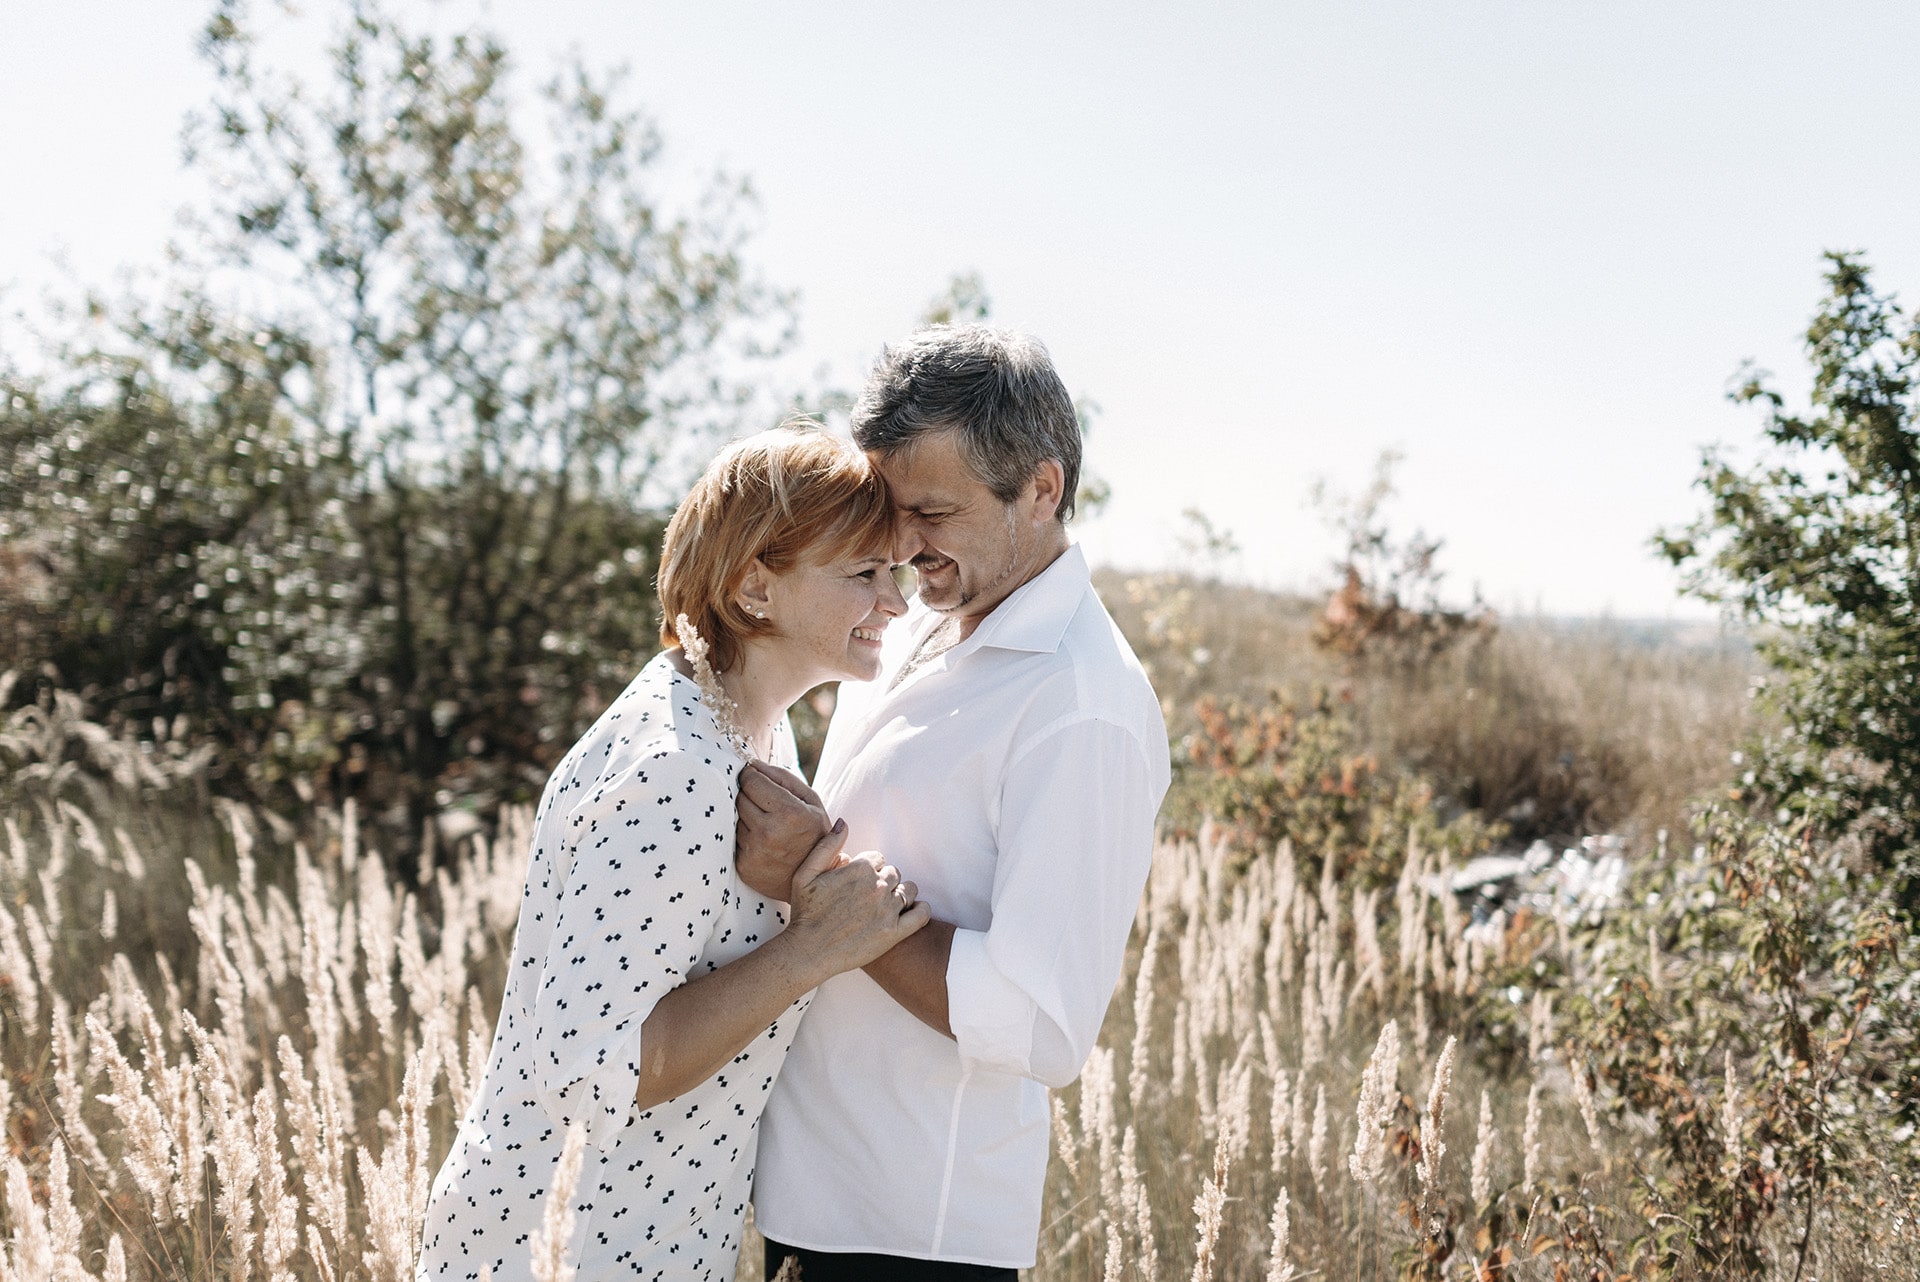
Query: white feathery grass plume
[(18, 968), (32, 1241), (1177, 1079), (1367, 1164), (1442, 973), (279, 1209), (1540, 1025), (1483, 1153), (315, 1144), (1063, 1141), (63, 1220), (1100, 1127), (71, 1093), (279, 936), (1317, 1145), (178, 1097), (1141, 1204), (1433, 1144), (236, 1158), (1205, 1102), (1279, 1119), (349, 834), (396, 1183), (116, 1261), (1279, 1268), (1334, 993), (479, 1048), (19, 860), (146, 1147), (1420, 955), (555, 1234), (1589, 1107), (317, 1252), (1119, 1196), (1366, 941), (379, 923), (1208, 1208), (1282, 942), (1269, 1046), (1730, 1114), (1114, 1270), (1297, 1125), (1236, 1104), (1530, 1139), (1410, 906), (132, 862), (109, 917), (1313, 1028), (789, 1270), (1141, 1055), (1462, 966)]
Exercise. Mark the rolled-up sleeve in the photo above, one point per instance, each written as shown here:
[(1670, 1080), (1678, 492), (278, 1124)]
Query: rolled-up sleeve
[(650, 856), (1075, 833)]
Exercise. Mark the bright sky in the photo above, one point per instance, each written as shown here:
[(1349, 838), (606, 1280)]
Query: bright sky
[(1525, 243)]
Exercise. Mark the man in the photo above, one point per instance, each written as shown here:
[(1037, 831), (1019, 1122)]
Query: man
[(1011, 759)]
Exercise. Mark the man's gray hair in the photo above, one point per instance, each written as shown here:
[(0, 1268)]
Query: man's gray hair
[(994, 389)]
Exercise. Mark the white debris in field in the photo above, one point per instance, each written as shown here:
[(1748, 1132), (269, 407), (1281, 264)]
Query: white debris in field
[(1580, 885)]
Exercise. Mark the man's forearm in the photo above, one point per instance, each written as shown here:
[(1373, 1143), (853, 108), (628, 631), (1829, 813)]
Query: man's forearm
[(914, 973)]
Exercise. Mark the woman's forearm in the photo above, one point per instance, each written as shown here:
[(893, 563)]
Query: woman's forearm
[(698, 1027)]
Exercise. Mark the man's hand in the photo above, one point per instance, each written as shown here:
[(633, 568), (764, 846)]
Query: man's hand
[(780, 819)]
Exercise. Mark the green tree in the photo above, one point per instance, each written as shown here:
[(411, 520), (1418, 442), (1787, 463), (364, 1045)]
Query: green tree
[(380, 485), (1818, 543)]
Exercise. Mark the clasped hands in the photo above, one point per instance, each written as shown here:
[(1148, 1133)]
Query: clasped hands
[(781, 821)]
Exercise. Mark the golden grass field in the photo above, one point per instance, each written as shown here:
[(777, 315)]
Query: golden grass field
[(236, 1047)]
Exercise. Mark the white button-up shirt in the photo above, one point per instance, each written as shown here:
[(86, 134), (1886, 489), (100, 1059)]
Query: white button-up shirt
[(1016, 779)]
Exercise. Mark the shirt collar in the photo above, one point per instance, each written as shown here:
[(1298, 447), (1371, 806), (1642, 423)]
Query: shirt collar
[(1035, 615)]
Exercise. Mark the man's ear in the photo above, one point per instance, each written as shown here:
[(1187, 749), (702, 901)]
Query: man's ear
[(752, 595), (1049, 490)]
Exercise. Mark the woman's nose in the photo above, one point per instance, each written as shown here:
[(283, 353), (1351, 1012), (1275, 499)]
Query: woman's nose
[(892, 602)]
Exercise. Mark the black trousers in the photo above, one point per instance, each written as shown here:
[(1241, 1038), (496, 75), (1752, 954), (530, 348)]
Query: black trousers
[(831, 1266)]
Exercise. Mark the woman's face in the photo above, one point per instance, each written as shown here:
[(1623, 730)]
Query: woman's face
[(829, 616)]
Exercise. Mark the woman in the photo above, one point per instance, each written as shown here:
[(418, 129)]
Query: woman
[(652, 995)]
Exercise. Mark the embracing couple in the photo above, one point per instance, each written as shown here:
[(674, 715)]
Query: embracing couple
[(706, 982)]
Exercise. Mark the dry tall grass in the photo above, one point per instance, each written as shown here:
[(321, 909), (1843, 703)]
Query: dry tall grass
[(231, 1048), (1560, 728)]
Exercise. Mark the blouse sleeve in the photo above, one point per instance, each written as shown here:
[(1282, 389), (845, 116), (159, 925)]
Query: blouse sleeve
[(652, 854)]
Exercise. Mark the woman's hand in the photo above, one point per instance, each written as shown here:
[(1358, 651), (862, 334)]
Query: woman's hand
[(779, 820), (846, 912)]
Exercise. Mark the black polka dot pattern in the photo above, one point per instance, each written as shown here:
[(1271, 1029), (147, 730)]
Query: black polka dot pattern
[(630, 892)]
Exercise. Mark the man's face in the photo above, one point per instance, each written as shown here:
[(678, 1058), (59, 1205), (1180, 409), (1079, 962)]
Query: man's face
[(969, 549)]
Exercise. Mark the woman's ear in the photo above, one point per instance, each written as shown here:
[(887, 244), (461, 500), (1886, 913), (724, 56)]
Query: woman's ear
[(753, 593)]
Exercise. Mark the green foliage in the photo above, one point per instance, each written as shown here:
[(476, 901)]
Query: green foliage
[(1292, 770), (378, 490), (1754, 1013), (1819, 542)]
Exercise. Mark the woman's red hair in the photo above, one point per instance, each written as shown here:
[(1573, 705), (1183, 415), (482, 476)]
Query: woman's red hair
[(784, 496)]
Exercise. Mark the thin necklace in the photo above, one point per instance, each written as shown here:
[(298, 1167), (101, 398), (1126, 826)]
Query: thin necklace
[(726, 713)]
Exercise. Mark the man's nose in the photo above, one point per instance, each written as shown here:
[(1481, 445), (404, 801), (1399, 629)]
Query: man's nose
[(907, 540)]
